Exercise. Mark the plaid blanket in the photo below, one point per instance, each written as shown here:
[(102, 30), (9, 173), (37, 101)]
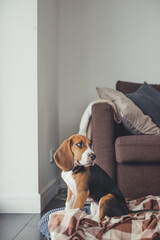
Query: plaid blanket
[(77, 225)]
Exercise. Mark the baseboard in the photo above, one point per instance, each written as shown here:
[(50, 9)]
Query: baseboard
[(29, 202), (49, 191), (20, 203)]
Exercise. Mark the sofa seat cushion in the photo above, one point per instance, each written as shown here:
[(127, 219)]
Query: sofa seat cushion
[(141, 148)]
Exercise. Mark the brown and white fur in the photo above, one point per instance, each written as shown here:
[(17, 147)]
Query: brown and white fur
[(86, 180)]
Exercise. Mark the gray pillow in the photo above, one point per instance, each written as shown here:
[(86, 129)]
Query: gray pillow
[(147, 99)]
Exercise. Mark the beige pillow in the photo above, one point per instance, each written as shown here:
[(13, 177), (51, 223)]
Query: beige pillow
[(132, 117)]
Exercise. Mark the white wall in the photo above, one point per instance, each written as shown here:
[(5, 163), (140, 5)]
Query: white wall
[(49, 177), (18, 107), (99, 43), (29, 104)]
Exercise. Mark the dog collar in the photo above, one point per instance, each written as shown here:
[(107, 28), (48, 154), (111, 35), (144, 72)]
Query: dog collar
[(78, 168)]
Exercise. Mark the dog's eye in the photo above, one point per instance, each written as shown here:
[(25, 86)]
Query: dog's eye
[(80, 144)]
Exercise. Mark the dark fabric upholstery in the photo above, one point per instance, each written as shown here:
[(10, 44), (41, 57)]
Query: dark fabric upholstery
[(142, 148), (129, 87), (138, 180), (103, 137), (132, 161)]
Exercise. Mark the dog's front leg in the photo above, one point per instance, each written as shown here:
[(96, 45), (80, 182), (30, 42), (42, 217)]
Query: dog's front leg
[(80, 199), (70, 199), (94, 208)]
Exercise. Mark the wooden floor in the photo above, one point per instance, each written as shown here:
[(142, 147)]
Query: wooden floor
[(24, 226)]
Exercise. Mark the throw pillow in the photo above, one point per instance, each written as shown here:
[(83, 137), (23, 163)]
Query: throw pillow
[(132, 117), (147, 99)]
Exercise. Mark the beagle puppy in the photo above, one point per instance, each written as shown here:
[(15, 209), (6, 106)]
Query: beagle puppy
[(87, 181)]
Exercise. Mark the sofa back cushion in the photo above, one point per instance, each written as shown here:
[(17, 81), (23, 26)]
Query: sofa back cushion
[(129, 87)]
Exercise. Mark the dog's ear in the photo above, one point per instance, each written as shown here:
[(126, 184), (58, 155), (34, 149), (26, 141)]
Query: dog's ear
[(64, 157)]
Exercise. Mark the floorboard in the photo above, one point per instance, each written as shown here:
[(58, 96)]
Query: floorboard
[(11, 224), (25, 226), (28, 233)]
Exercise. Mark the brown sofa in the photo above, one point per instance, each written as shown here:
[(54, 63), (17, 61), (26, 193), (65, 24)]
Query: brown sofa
[(133, 161)]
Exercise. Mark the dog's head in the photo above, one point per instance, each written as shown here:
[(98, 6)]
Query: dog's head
[(74, 151)]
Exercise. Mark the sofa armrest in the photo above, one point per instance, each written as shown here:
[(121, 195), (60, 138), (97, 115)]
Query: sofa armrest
[(103, 137)]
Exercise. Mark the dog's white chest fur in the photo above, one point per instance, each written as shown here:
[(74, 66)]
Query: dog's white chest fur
[(67, 177)]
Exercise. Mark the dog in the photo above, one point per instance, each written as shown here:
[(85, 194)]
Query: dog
[(87, 181)]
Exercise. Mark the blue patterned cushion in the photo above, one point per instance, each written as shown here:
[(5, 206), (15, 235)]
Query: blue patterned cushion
[(43, 223)]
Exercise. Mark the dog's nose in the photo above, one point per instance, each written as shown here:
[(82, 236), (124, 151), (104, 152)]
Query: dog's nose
[(92, 156)]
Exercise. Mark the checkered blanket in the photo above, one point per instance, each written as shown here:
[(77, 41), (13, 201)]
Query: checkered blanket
[(77, 225)]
